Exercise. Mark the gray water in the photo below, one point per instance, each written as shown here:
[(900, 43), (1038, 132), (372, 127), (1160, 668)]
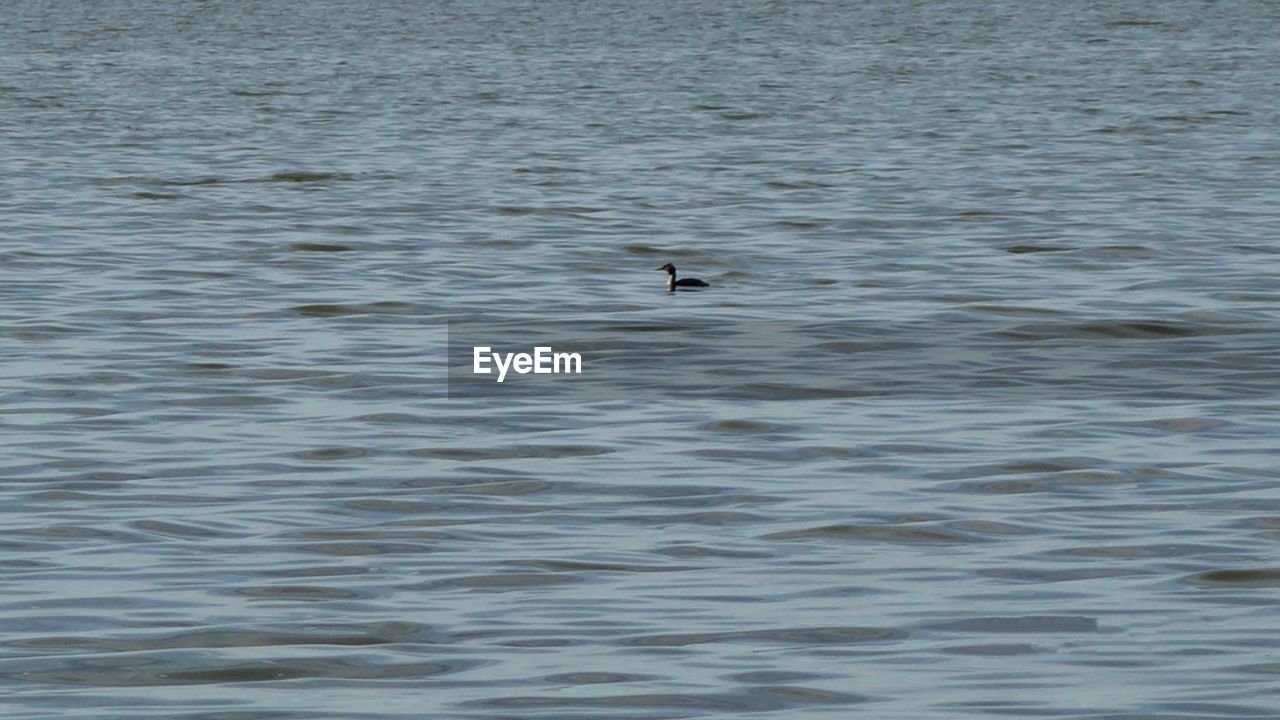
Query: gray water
[(235, 238)]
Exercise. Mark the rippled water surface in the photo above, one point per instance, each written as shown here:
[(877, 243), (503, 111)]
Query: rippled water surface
[(978, 418)]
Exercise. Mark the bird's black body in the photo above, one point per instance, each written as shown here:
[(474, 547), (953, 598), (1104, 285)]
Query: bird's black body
[(673, 283)]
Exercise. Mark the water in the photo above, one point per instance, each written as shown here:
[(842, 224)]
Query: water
[(236, 237)]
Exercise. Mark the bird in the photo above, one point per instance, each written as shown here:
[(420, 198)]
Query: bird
[(673, 283)]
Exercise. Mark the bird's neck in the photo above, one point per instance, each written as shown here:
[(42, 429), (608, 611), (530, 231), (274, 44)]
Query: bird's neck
[(671, 281)]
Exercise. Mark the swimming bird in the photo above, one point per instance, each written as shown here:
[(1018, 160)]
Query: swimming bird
[(673, 283)]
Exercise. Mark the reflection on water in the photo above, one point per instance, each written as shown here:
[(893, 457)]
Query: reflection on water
[(977, 417)]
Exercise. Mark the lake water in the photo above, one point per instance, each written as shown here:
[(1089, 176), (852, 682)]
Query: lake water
[(978, 417)]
